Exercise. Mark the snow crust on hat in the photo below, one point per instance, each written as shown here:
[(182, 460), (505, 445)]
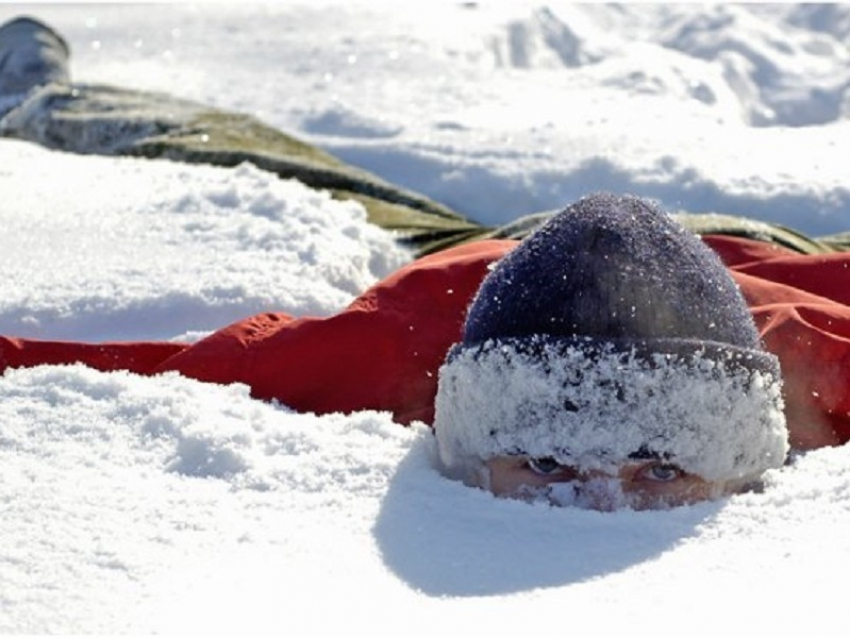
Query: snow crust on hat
[(716, 414)]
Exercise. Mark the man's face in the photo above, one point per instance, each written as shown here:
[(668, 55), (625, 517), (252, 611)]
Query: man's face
[(639, 485)]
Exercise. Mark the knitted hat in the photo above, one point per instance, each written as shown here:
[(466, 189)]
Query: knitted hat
[(612, 334)]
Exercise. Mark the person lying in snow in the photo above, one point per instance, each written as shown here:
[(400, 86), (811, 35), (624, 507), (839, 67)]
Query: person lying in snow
[(609, 359)]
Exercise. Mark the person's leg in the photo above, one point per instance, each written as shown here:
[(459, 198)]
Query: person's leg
[(107, 120)]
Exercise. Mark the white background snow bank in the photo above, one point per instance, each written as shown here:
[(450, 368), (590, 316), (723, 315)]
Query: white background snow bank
[(108, 248), (133, 504), (504, 108)]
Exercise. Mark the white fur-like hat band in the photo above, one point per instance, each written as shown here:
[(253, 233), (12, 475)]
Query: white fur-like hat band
[(713, 409)]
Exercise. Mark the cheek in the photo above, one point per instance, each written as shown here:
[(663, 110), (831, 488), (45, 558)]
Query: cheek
[(508, 477), (653, 495)]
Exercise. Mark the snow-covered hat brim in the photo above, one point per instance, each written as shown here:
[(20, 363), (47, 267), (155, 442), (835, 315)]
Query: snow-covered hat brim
[(715, 410)]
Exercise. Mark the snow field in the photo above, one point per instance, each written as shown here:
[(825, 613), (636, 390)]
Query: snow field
[(168, 505), (143, 505)]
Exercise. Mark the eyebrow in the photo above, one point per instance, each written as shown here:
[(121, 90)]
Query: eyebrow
[(644, 453)]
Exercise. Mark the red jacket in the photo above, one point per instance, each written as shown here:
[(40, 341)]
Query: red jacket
[(383, 351)]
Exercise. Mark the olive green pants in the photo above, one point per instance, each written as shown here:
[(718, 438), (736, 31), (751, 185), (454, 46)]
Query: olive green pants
[(109, 121)]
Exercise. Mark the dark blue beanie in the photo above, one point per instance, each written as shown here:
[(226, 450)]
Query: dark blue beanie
[(611, 268), (610, 331)]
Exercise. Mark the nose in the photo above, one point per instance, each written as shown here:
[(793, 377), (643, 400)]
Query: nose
[(568, 473), (594, 490), (594, 475)]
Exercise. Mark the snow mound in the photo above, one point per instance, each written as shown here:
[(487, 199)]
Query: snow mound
[(135, 504), (171, 476), (160, 249), (342, 122), (783, 75), (544, 40)]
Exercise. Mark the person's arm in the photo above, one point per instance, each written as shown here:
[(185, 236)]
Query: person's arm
[(801, 305), (383, 352), (138, 357)]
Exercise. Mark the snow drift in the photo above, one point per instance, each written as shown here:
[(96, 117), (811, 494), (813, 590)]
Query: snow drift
[(161, 504)]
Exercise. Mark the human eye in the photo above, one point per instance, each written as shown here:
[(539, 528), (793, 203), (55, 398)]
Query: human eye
[(661, 472), (544, 466)]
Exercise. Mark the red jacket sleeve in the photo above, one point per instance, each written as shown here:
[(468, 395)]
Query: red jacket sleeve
[(383, 352), (801, 305), (138, 357)]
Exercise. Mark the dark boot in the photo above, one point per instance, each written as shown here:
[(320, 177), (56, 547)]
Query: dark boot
[(31, 55)]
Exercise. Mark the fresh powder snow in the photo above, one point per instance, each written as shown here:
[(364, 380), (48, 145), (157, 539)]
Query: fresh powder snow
[(141, 505)]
